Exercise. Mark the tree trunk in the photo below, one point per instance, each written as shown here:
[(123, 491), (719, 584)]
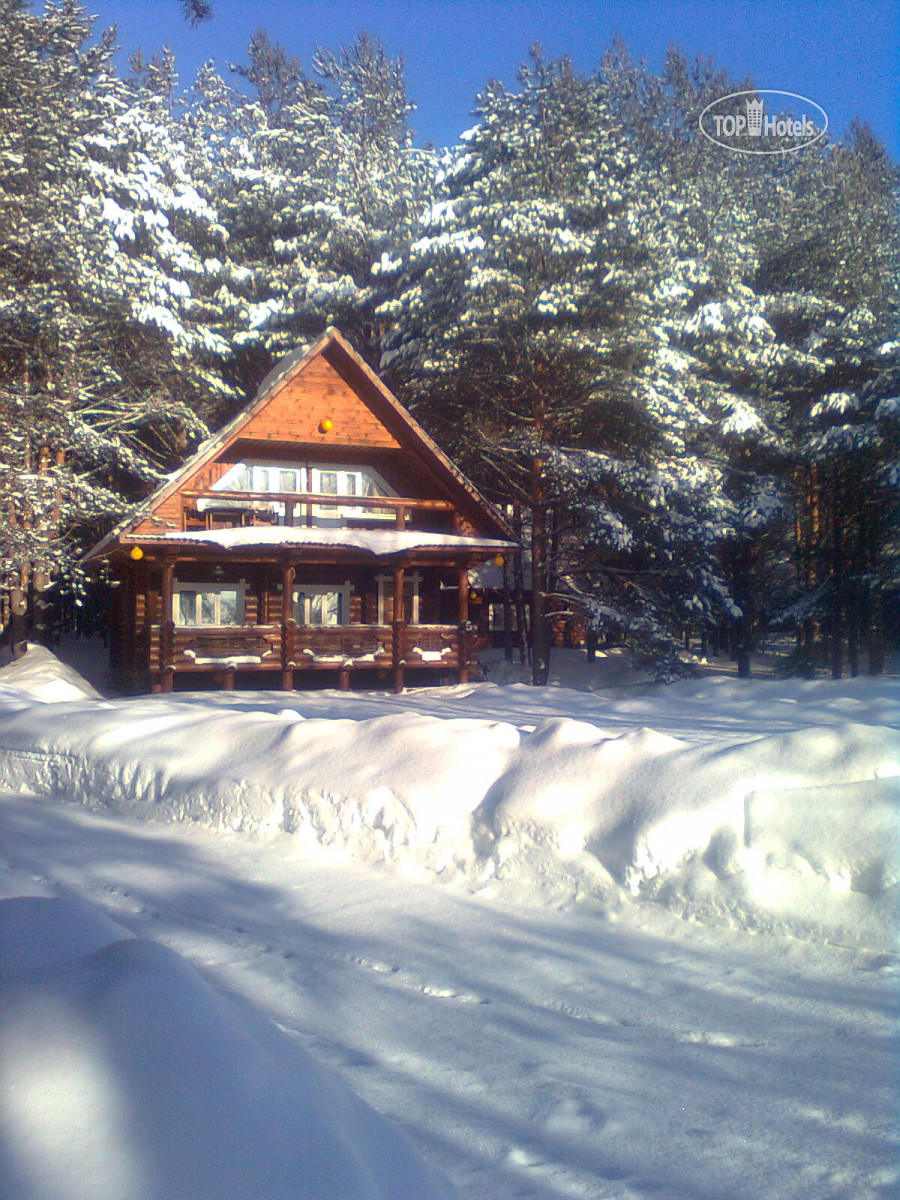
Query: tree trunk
[(18, 617), (540, 639), (875, 636), (40, 630), (853, 643), (837, 645), (591, 638), (519, 576), (742, 628), (507, 610)]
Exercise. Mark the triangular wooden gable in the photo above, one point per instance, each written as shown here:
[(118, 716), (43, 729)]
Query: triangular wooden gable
[(302, 400), (328, 382)]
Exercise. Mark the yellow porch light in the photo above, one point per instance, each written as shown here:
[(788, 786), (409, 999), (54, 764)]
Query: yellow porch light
[(326, 425), (136, 553), (498, 560)]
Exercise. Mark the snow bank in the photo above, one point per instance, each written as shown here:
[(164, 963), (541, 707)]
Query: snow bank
[(791, 830), (126, 1075), (41, 675), (798, 830)]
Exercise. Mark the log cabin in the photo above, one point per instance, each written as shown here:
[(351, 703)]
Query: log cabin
[(320, 537)]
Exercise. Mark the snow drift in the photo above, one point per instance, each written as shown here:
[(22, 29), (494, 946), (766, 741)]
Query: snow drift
[(126, 1075), (796, 829), (40, 674)]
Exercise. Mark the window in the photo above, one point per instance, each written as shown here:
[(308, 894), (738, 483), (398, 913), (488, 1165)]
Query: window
[(348, 481), (325, 604), (412, 580), (262, 477), (330, 480), (209, 604), (495, 617), (258, 477)]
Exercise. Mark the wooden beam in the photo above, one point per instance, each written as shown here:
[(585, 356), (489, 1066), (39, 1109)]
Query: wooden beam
[(462, 591), (167, 626), (322, 498), (288, 627), (398, 641)]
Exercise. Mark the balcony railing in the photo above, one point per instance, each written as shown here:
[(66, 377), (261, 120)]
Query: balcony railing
[(299, 508)]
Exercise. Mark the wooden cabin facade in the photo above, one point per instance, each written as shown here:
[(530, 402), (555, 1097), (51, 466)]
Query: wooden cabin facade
[(274, 557)]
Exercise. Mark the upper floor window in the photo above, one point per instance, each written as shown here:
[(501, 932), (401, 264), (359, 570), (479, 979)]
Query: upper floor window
[(324, 480)]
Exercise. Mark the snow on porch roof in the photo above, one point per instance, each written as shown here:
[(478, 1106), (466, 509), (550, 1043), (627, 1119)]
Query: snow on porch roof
[(378, 542)]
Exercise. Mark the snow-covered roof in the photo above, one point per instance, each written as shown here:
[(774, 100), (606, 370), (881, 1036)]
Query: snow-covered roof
[(378, 542)]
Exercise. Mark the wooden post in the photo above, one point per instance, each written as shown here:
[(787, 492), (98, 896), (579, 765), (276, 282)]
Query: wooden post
[(228, 679), (344, 679), (463, 621), (133, 620), (167, 626), (398, 641), (288, 628), (400, 518)]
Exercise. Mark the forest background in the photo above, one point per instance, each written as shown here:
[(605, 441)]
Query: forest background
[(677, 366)]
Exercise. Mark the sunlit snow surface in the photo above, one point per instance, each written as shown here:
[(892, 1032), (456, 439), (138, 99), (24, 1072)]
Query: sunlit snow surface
[(514, 988), (126, 1075)]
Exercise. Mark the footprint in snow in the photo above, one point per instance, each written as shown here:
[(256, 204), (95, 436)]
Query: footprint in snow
[(442, 993), (725, 1041), (373, 965), (451, 994)]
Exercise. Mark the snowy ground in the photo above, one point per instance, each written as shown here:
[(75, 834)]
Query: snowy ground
[(569, 958)]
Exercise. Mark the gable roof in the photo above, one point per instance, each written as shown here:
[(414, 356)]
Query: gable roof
[(361, 378)]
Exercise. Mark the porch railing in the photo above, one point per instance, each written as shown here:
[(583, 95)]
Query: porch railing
[(290, 648)]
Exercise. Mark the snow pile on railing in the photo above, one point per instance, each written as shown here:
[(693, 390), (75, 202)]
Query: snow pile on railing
[(797, 830)]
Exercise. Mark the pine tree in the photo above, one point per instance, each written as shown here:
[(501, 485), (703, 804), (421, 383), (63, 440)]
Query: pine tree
[(102, 382), (525, 326), (777, 298), (49, 97), (315, 181)]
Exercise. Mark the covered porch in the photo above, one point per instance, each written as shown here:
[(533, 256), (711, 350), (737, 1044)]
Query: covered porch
[(215, 609)]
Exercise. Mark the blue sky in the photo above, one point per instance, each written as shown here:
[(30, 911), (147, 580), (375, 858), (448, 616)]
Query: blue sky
[(845, 55)]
